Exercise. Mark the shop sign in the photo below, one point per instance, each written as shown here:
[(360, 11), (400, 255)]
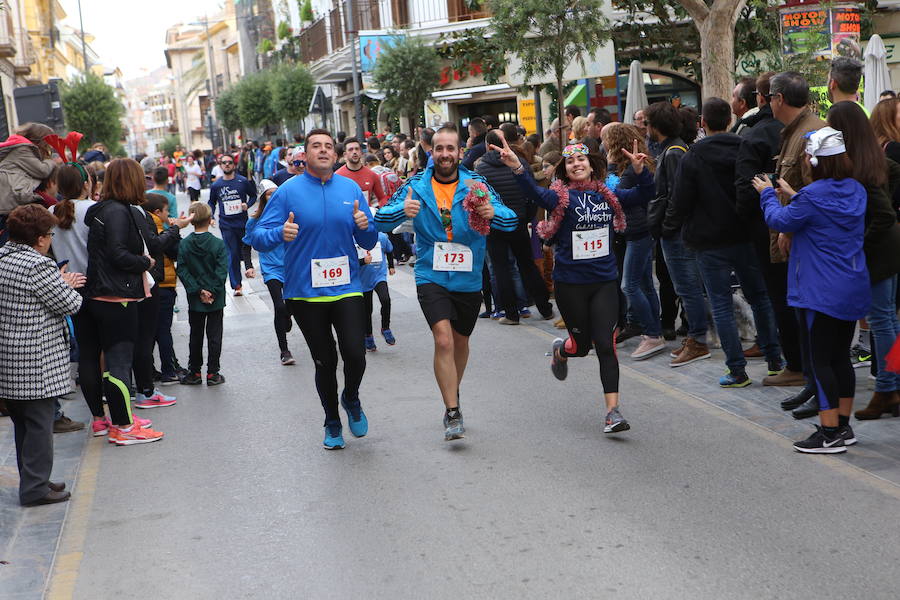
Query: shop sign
[(822, 31), (527, 115)]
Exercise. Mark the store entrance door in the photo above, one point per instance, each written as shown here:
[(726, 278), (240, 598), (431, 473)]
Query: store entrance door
[(505, 111)]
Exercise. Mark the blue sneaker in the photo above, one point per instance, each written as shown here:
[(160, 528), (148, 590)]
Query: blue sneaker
[(356, 418), (370, 344), (334, 439), (524, 313), (731, 380), (485, 315), (388, 336), (498, 314)]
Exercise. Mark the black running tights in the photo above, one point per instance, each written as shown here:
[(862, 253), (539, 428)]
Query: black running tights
[(591, 311), (384, 297), (282, 318), (825, 343), (347, 318)]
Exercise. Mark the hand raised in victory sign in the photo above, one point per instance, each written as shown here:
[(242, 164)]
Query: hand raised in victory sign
[(411, 206), (637, 158), (507, 156), (359, 217), (289, 233)]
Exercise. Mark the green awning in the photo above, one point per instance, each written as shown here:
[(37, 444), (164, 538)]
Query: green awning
[(578, 97)]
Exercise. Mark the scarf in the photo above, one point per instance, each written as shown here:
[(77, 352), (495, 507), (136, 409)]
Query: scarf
[(548, 228)]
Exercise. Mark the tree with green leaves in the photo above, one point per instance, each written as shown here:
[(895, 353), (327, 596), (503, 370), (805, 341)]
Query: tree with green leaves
[(92, 108), (306, 11), (227, 109), (548, 35), (291, 88), (407, 71), (169, 145), (254, 100)]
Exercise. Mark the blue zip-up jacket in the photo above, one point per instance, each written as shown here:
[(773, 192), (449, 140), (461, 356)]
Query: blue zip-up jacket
[(272, 262), (240, 188), (429, 229), (372, 273), (270, 164), (587, 210), (827, 266), (324, 212)]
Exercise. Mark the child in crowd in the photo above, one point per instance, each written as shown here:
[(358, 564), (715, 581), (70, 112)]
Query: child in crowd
[(157, 204), (272, 265), (203, 268), (373, 276)]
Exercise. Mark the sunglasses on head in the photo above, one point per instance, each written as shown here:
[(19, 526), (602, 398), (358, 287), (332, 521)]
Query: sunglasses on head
[(573, 149)]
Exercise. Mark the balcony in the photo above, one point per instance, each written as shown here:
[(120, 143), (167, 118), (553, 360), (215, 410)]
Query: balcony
[(314, 42), (337, 31), (24, 58), (7, 40)]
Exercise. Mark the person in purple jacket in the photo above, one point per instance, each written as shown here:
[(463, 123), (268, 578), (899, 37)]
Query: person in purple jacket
[(583, 218), (828, 282)]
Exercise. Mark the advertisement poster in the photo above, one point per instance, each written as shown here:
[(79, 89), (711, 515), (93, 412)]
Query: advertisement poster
[(845, 32), (370, 46), (527, 116), (805, 29)]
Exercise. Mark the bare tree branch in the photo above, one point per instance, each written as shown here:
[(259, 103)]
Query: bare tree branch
[(698, 9)]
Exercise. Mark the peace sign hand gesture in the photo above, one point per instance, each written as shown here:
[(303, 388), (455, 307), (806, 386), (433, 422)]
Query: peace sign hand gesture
[(637, 158), (507, 156)]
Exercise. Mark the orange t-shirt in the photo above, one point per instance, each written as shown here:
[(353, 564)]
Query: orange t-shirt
[(443, 194)]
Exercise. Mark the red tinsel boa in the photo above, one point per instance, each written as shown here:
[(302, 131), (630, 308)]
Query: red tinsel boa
[(478, 194), (548, 228)]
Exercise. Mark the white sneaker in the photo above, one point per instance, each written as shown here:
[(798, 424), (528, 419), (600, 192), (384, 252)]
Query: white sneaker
[(648, 347)]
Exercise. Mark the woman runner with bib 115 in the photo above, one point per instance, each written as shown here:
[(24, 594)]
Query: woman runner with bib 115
[(583, 216)]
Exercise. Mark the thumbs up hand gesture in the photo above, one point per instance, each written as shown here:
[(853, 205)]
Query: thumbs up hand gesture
[(289, 233), (359, 217), (411, 206)]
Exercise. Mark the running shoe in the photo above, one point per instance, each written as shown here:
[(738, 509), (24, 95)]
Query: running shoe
[(370, 344), (135, 435), (100, 427), (859, 357), (498, 314), (559, 366), (334, 438), (214, 379), (238, 291), (648, 347), (155, 400), (192, 379), (775, 367), (846, 433), (388, 336), (615, 422), (505, 321), (453, 425), (524, 313), (356, 417), (168, 379), (819, 443), (287, 358), (731, 380)]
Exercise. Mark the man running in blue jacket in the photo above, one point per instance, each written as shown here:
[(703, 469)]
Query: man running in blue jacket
[(450, 257), (320, 217)]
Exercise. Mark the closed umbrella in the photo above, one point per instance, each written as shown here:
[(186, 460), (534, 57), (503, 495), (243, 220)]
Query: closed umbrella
[(637, 96), (877, 76)]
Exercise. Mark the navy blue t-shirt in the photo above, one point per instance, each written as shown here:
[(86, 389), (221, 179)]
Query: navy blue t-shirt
[(226, 196)]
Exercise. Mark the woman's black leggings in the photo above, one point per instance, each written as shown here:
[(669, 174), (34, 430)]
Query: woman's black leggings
[(591, 311), (282, 318), (193, 194), (384, 297), (148, 316), (316, 320), (825, 343), (110, 328)]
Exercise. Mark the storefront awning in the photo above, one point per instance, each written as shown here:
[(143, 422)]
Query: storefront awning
[(578, 97)]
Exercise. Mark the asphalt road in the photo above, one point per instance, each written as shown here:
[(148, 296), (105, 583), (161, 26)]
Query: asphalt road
[(240, 500)]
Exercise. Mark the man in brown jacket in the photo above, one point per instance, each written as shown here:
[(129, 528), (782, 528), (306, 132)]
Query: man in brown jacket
[(789, 98)]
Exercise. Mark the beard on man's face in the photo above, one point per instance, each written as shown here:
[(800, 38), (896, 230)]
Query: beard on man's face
[(446, 166)]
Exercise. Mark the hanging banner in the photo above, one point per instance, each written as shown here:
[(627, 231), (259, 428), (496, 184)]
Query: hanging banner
[(825, 31)]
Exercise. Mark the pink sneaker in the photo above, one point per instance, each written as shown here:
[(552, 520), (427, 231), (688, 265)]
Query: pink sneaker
[(100, 427)]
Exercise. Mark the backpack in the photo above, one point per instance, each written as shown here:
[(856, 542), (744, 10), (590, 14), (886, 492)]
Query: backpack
[(390, 182)]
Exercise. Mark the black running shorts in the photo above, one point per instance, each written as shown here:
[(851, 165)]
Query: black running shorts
[(460, 308)]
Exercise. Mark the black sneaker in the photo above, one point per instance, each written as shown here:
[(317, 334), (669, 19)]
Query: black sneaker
[(559, 367), (168, 379), (287, 358), (818, 443), (860, 358), (631, 330), (453, 425), (669, 334), (192, 379), (846, 433), (214, 379)]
